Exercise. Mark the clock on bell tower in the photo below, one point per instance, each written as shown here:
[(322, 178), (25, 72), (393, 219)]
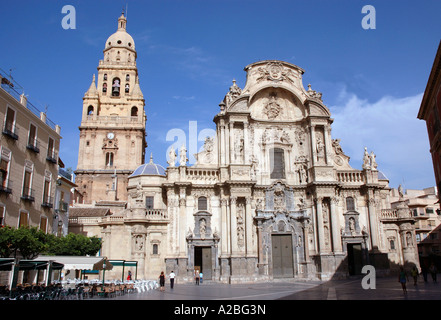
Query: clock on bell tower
[(112, 131)]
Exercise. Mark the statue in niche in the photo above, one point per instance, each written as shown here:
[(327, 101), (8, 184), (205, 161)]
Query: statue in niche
[(240, 235), (352, 225), (409, 239), (172, 157), (202, 228), (325, 212), (303, 176), (260, 204), (139, 242), (320, 147), (238, 149), (254, 164)]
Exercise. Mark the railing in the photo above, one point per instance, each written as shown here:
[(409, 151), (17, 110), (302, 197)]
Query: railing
[(350, 176), (10, 130), (51, 157), (47, 202), (388, 214), (63, 206), (203, 175), (112, 119), (33, 147), (5, 185), (28, 194), (156, 214)]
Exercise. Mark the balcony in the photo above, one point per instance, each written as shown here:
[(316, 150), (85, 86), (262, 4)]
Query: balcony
[(28, 194), (63, 206), (5, 186), (47, 202), (33, 147), (10, 130), (52, 157)]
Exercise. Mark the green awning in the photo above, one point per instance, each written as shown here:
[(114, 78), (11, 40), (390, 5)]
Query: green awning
[(124, 263)]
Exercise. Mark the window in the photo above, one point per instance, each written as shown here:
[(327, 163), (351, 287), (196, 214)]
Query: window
[(27, 192), (51, 151), (277, 162), (155, 248), (43, 224), (105, 77), (9, 127), (4, 170), (47, 199), (149, 202), (104, 87), (392, 244), (350, 204), (24, 219), (90, 110), (127, 77), (202, 203), (116, 83), (429, 210), (2, 215), (109, 159), (127, 88), (134, 112), (32, 139), (418, 237), (415, 212)]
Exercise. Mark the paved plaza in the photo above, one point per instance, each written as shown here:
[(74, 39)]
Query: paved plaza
[(351, 289)]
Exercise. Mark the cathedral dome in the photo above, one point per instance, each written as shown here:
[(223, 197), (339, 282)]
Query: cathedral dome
[(149, 169), (121, 38)]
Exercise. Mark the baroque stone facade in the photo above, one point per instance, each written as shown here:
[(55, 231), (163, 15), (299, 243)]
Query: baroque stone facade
[(271, 195)]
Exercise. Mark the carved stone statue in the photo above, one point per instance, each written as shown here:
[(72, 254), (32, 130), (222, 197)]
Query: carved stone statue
[(366, 160), (183, 156), (172, 157), (374, 164), (273, 108)]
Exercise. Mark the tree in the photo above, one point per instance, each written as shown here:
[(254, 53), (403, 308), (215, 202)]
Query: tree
[(75, 245), (29, 242)]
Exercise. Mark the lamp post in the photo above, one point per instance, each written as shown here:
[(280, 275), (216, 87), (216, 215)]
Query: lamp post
[(104, 272)]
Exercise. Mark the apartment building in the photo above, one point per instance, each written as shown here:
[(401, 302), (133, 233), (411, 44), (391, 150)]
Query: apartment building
[(29, 150), (424, 208)]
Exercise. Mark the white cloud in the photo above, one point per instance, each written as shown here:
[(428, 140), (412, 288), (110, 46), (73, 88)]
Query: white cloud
[(390, 128)]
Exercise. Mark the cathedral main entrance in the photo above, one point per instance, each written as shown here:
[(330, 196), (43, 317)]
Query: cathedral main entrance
[(202, 261), (283, 266), (355, 258)]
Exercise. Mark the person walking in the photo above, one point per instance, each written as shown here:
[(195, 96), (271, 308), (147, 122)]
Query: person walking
[(162, 281), (433, 272), (172, 279), (415, 275), (196, 276), (402, 278), (129, 276)]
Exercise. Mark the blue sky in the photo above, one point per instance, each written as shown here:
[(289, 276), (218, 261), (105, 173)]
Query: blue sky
[(189, 52)]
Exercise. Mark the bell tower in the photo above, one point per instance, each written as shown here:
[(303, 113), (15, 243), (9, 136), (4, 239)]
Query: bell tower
[(112, 131)]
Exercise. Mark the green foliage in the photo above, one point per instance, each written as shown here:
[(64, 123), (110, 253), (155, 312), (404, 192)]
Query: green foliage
[(75, 245), (30, 242)]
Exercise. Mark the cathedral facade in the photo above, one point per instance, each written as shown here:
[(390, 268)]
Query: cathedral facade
[(271, 195)]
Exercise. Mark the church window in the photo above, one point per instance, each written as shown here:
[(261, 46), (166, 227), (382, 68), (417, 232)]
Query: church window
[(350, 205), (90, 110), (119, 42), (149, 202), (127, 77), (155, 248), (277, 161), (127, 88), (104, 87), (130, 44), (105, 77), (392, 244), (134, 112), (202, 203), (109, 159), (116, 83)]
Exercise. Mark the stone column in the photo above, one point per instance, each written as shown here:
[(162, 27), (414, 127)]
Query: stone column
[(373, 224), (320, 225), (224, 231), (246, 148), (261, 265), (231, 142), (222, 143), (249, 227), (313, 146), (234, 249), (181, 223), (335, 225)]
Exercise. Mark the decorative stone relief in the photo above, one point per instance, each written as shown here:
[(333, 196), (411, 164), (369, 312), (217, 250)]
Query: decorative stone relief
[(272, 109), (275, 71)]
